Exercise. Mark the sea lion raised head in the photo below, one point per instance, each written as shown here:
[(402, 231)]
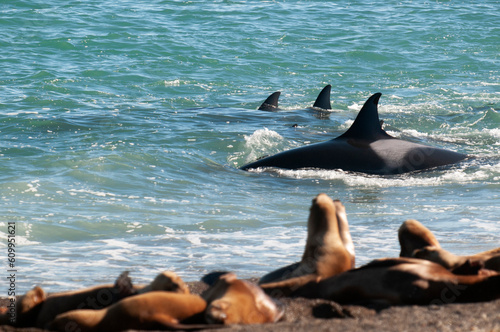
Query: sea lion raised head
[(413, 235), (325, 250), (329, 249), (345, 235), (234, 301)]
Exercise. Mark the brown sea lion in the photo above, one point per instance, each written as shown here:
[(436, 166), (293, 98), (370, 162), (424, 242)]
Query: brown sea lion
[(37, 309), (488, 260), (234, 301), (329, 249), (419, 242), (97, 297), (401, 280), (154, 310), (23, 311), (166, 281), (413, 235)]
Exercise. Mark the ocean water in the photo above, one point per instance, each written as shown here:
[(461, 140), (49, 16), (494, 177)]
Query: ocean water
[(123, 125)]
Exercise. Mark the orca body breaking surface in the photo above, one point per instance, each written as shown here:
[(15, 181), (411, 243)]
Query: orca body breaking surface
[(365, 147)]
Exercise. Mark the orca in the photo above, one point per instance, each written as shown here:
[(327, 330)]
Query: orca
[(271, 103), (322, 101), (365, 148)]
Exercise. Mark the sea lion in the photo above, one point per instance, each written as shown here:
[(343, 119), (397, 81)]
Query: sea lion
[(154, 310), (397, 281), (36, 309), (329, 249), (165, 281), (419, 242), (489, 260), (23, 311), (96, 297), (413, 235), (234, 301)]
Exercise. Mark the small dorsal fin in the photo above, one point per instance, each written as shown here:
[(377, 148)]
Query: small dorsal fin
[(271, 103), (323, 100), (367, 124)]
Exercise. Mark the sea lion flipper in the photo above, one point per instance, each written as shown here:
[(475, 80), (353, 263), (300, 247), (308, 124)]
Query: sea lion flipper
[(279, 274)]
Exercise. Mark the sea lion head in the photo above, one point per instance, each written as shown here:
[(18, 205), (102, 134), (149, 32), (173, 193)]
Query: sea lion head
[(26, 309), (325, 253), (322, 218), (433, 254), (167, 281), (234, 301), (345, 235), (413, 235)]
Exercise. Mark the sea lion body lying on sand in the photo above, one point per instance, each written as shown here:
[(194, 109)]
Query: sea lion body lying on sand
[(37, 309), (329, 249), (98, 297), (25, 309), (489, 259), (399, 281), (417, 241), (231, 301), (150, 311), (234, 301)]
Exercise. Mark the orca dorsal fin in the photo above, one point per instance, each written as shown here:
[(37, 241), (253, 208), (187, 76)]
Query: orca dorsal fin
[(271, 103), (367, 124), (323, 100)]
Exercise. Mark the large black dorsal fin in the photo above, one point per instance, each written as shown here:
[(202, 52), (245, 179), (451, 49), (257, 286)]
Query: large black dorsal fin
[(323, 100), (271, 103), (367, 124)]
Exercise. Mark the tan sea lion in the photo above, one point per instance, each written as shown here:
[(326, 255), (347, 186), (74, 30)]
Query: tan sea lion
[(23, 311), (329, 249), (154, 310), (489, 259), (404, 280), (413, 235), (345, 235), (234, 301)]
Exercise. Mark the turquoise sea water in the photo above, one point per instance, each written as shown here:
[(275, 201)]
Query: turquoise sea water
[(123, 125)]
